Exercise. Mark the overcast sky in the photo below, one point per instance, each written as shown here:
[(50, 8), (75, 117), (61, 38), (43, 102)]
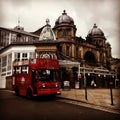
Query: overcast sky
[(33, 14)]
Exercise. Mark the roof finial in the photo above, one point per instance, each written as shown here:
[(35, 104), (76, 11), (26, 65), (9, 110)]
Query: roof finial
[(18, 21), (64, 12), (47, 21), (95, 26)]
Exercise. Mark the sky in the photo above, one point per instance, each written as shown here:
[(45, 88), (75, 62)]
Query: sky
[(85, 13)]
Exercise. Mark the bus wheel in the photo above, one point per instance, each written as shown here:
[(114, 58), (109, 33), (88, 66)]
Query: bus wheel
[(29, 94), (17, 91)]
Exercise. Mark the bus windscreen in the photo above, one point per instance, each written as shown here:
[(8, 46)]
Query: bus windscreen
[(46, 75)]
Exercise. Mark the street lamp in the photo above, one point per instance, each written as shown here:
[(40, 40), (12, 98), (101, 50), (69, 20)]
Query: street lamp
[(79, 69), (79, 76), (116, 79), (85, 82), (110, 86)]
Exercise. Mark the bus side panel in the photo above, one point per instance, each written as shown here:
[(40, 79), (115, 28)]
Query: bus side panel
[(27, 83), (23, 82)]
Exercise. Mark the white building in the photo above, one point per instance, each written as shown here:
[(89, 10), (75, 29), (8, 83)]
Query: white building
[(16, 44)]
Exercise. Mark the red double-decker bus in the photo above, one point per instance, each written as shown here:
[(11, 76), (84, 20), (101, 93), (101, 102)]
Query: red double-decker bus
[(36, 77)]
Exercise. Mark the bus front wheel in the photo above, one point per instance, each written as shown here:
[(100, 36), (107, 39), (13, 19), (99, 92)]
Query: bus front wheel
[(29, 94), (17, 91)]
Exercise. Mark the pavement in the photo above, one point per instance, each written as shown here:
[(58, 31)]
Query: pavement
[(96, 97)]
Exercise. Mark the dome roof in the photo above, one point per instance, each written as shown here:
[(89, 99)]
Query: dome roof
[(47, 32), (95, 31), (64, 18)]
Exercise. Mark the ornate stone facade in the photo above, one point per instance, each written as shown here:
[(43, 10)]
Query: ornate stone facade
[(93, 53), (94, 50)]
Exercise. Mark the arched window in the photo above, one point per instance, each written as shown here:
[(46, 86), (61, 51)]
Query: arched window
[(47, 55), (90, 58), (67, 50)]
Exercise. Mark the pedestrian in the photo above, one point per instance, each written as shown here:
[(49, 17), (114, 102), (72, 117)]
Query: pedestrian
[(93, 83)]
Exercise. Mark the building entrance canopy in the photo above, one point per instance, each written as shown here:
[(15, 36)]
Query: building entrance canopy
[(99, 71), (68, 64), (89, 70)]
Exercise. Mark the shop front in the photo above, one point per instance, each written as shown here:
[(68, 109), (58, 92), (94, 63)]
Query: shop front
[(79, 77)]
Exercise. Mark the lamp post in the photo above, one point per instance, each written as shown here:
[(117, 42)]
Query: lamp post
[(116, 79), (111, 94), (85, 83), (79, 76), (79, 69)]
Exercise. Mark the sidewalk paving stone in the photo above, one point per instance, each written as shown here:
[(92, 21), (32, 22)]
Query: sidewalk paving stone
[(99, 97)]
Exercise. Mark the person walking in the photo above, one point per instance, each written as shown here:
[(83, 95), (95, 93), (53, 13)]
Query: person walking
[(93, 83)]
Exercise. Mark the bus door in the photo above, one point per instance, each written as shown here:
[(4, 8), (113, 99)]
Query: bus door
[(22, 84), (34, 81)]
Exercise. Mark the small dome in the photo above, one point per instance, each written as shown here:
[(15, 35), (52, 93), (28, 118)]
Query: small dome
[(107, 42), (64, 18), (95, 31), (47, 32)]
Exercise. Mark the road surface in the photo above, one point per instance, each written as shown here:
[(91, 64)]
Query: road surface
[(46, 108)]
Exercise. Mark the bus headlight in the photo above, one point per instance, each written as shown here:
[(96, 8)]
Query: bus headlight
[(56, 85), (43, 85)]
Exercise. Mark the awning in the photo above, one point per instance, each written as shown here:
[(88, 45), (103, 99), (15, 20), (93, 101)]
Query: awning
[(68, 64)]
